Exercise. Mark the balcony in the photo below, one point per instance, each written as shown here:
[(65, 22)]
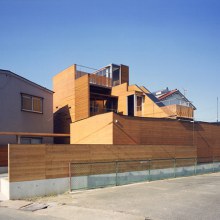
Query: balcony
[(100, 80), (97, 110), (179, 111), (96, 79)]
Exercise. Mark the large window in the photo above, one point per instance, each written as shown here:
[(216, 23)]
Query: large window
[(31, 103)]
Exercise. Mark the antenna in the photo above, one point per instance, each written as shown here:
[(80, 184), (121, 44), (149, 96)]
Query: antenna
[(217, 109), (184, 91)]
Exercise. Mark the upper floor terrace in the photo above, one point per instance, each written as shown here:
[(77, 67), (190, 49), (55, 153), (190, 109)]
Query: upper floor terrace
[(109, 76)]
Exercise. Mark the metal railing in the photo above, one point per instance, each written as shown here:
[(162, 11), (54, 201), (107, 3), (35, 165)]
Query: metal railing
[(114, 173), (100, 80), (98, 110)]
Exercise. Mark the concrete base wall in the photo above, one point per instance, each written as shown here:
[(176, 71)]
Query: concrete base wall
[(96, 181), (3, 170), (4, 187), (27, 189)]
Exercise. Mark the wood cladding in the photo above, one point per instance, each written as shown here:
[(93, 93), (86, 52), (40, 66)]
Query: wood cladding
[(64, 99), (133, 138), (26, 162), (97, 130), (3, 156), (82, 97), (35, 162), (134, 88), (130, 130), (122, 92), (150, 131), (124, 74), (151, 109)]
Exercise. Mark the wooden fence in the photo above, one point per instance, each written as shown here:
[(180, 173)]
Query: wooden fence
[(35, 162)]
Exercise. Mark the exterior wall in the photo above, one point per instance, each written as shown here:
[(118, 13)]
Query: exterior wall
[(94, 130), (204, 136), (150, 109), (136, 130), (82, 98), (124, 74), (64, 99), (120, 129), (145, 90), (122, 92), (13, 119)]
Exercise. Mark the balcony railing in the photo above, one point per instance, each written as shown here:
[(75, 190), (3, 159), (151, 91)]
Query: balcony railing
[(80, 74), (179, 111), (98, 110), (100, 80)]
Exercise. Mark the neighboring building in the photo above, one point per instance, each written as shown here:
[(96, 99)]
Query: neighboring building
[(173, 97), (80, 94), (25, 107)]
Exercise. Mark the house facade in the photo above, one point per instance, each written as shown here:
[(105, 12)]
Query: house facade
[(173, 97), (80, 94), (25, 107)]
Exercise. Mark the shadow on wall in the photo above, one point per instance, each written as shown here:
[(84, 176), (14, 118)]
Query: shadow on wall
[(3, 155), (62, 120)]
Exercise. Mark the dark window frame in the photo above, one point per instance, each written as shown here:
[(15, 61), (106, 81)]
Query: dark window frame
[(30, 138)]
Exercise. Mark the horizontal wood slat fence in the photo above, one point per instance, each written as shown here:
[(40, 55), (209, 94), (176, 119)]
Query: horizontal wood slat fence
[(35, 162)]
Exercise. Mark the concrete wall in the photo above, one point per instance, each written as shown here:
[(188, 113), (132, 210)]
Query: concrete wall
[(12, 118)]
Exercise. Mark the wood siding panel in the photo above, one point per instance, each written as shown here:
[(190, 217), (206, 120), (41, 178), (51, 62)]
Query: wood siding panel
[(150, 131), (96, 130), (122, 92), (35, 162), (151, 109), (64, 99), (124, 74), (82, 98), (26, 162), (135, 88), (134, 139)]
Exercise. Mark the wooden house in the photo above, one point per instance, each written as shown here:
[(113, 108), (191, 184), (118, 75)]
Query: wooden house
[(80, 94)]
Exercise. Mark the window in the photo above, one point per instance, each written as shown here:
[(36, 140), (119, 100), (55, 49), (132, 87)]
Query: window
[(139, 103), (31, 140), (31, 103)]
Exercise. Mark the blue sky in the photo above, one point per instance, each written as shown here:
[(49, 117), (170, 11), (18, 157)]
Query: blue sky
[(174, 43)]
